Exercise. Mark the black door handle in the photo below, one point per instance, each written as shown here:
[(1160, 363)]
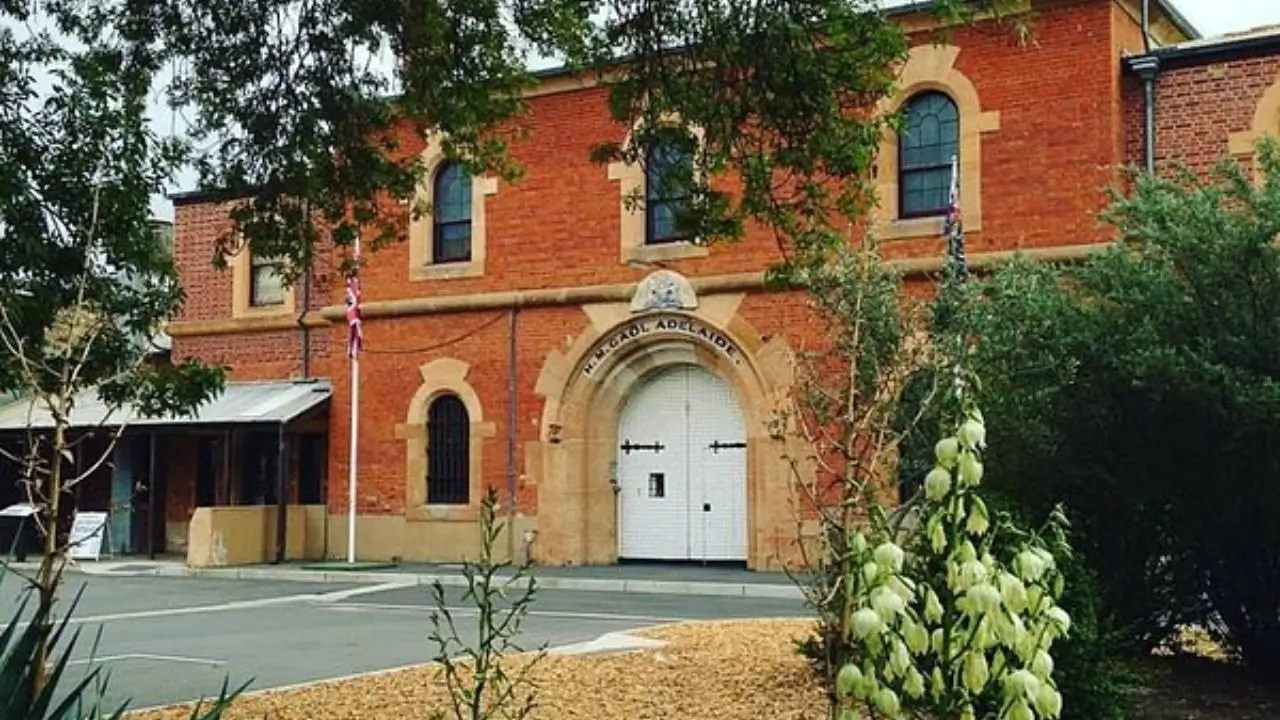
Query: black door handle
[(706, 507)]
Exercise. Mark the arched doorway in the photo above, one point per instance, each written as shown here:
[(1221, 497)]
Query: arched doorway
[(682, 469)]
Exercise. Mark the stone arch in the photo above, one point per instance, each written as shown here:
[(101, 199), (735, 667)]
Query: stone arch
[(443, 376), (584, 396), (932, 67), (1266, 123)]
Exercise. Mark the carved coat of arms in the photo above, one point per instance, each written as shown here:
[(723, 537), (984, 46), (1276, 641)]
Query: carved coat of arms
[(664, 290)]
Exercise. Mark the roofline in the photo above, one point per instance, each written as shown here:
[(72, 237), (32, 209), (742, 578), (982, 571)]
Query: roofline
[(319, 385), (190, 197), (909, 8), (1200, 54), (1179, 20)]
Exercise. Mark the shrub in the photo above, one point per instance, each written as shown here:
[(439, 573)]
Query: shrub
[(1090, 668), (1144, 387)]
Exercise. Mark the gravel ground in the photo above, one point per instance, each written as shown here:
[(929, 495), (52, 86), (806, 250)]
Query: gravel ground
[(720, 670), (724, 670)]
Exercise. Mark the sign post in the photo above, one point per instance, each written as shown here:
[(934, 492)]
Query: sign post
[(23, 512)]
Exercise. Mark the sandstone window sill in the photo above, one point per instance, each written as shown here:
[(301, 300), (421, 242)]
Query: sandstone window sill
[(666, 252), (918, 228), (262, 311), (912, 228), (448, 271)]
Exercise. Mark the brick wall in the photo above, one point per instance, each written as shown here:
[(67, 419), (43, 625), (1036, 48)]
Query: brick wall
[(1043, 169), (267, 355), (197, 227), (257, 355), (1199, 107), (389, 378), (1127, 105), (1058, 143)]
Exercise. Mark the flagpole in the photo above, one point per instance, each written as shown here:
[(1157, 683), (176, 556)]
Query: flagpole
[(353, 450)]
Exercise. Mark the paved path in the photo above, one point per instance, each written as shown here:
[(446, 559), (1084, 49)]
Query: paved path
[(167, 640), (630, 578)]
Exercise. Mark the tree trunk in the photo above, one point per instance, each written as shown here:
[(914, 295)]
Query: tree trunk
[(50, 566)]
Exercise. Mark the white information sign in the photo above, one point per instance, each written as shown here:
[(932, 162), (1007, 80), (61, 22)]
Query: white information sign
[(19, 510), (86, 535)]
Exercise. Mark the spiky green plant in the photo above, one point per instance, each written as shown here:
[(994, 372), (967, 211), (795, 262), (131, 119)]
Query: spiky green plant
[(27, 694), (477, 677)]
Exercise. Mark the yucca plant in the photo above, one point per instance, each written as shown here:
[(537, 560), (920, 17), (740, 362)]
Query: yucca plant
[(22, 697)]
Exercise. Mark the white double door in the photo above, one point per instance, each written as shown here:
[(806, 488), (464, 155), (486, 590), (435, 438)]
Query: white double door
[(682, 469)]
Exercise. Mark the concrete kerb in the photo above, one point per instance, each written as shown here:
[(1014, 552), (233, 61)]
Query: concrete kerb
[(614, 585), (613, 642)]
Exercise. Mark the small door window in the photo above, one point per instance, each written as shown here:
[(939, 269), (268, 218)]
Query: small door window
[(657, 485)]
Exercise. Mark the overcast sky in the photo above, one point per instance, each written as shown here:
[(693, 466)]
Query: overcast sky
[(1211, 17), (1214, 17)]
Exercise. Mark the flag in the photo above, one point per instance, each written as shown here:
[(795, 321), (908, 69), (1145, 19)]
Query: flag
[(953, 229), (958, 271), (355, 329)]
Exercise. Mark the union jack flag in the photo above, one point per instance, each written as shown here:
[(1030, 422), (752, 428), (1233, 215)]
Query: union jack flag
[(355, 329), (953, 229)]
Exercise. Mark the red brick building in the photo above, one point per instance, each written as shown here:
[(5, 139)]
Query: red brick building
[(1211, 97), (542, 338)]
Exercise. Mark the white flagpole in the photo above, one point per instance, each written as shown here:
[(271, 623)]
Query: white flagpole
[(354, 354)]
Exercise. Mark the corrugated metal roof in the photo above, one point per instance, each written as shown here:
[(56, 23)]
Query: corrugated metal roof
[(239, 403)]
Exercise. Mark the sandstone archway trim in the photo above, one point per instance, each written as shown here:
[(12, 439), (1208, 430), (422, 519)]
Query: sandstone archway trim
[(422, 265), (1266, 123), (576, 454), (440, 377), (933, 67)]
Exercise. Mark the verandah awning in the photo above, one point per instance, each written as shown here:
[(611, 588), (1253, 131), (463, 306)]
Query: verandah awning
[(240, 403)]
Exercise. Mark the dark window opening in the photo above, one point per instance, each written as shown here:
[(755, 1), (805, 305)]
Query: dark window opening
[(311, 469), (261, 462), (208, 458), (930, 138), (667, 174), (451, 214), (448, 452)]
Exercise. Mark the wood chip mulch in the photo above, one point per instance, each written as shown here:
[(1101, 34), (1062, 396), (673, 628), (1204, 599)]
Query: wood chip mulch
[(723, 670), (730, 670)]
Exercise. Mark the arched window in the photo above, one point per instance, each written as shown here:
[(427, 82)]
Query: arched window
[(448, 452), (451, 213), (929, 139), (665, 193)]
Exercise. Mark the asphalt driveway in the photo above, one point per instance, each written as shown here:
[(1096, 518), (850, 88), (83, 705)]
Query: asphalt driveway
[(167, 640)]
